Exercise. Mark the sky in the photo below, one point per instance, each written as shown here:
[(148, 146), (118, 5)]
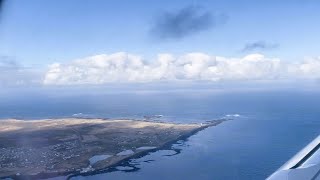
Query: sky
[(101, 41)]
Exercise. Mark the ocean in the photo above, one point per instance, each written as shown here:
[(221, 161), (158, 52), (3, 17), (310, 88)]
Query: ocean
[(267, 127)]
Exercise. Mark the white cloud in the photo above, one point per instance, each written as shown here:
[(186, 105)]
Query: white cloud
[(124, 67), (309, 68)]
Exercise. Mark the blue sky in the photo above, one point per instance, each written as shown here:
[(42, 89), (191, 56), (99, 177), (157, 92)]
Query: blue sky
[(138, 41), (37, 32)]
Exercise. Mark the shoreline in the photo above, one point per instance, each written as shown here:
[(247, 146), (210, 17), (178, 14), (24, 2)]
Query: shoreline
[(167, 145), (174, 133)]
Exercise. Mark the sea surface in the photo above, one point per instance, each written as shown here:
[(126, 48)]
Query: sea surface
[(267, 128)]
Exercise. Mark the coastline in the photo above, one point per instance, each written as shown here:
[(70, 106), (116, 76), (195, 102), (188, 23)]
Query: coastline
[(172, 132)]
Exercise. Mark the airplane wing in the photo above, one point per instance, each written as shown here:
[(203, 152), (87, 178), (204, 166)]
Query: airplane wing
[(303, 166)]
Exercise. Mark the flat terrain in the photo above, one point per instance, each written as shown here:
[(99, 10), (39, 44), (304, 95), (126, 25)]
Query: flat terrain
[(52, 147)]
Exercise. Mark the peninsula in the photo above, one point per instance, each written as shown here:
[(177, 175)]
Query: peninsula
[(55, 147)]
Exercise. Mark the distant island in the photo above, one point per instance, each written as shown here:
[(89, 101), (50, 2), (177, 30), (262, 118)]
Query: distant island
[(54, 147)]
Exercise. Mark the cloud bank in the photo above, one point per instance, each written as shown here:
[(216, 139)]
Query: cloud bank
[(185, 22), (124, 67)]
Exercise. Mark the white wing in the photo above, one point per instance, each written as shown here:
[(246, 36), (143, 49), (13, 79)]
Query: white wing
[(303, 166)]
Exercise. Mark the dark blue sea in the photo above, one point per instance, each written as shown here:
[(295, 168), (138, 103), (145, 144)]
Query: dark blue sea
[(267, 127)]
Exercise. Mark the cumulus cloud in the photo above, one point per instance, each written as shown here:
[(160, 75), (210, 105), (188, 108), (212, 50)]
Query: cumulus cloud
[(307, 69), (259, 45), (184, 22), (124, 67)]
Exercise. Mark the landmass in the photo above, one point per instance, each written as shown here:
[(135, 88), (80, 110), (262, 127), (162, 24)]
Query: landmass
[(35, 149)]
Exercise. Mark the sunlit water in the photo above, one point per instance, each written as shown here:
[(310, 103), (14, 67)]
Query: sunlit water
[(272, 127)]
